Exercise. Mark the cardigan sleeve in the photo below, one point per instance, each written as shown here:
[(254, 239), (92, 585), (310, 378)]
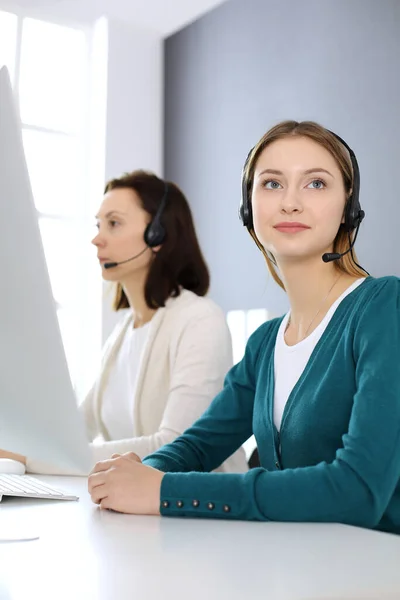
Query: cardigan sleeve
[(356, 487)]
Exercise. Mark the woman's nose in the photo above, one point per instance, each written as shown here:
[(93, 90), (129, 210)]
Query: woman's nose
[(291, 201), (97, 240)]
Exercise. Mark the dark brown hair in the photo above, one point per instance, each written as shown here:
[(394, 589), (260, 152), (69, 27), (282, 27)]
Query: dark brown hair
[(327, 140), (179, 262)]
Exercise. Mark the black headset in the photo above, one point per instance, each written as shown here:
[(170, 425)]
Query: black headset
[(155, 232), (353, 214)]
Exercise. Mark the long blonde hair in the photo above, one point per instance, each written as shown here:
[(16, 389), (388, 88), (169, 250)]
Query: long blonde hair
[(324, 138)]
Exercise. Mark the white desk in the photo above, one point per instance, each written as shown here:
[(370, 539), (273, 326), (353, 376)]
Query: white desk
[(84, 553)]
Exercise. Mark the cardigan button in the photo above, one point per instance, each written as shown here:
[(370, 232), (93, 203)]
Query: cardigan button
[(226, 508), (195, 503), (165, 504), (278, 466), (179, 504), (210, 506)]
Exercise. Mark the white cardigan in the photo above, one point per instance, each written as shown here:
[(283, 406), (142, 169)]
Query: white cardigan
[(186, 357)]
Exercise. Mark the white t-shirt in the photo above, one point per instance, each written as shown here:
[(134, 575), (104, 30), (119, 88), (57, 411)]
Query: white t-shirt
[(119, 393), (290, 361)]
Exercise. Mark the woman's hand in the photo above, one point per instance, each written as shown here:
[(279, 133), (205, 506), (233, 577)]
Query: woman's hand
[(13, 456), (131, 455), (125, 485)]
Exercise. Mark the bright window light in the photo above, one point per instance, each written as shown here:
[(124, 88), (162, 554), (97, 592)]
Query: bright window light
[(242, 324), (60, 75), (8, 41), (52, 77), (55, 168)]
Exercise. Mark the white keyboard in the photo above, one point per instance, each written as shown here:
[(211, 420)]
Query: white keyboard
[(24, 486)]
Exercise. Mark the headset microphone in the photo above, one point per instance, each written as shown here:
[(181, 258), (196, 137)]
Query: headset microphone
[(111, 265), (331, 256)]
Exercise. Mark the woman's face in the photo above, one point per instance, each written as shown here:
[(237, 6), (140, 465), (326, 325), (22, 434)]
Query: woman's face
[(121, 223), (298, 199)]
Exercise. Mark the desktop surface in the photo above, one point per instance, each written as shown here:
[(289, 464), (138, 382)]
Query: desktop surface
[(86, 553)]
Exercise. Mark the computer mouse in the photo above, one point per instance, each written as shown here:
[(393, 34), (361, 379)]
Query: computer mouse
[(11, 467)]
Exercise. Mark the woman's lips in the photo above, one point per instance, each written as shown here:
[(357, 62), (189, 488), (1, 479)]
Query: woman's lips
[(291, 227)]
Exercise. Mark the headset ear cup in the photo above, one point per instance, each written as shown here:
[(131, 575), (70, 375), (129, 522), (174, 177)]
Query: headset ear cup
[(244, 215), (249, 216), (243, 204), (245, 212), (356, 219), (349, 215), (353, 215), (154, 234), (147, 236)]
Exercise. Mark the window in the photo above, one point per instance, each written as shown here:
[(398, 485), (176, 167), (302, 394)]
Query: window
[(242, 323), (51, 68), (52, 87), (8, 41)]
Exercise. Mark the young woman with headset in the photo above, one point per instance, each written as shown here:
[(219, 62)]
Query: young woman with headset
[(319, 387), (167, 357)]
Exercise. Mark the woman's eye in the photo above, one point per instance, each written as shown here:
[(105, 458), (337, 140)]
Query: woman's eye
[(271, 184), (317, 184), (113, 223)]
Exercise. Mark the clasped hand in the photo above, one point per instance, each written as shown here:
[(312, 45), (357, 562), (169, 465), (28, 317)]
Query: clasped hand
[(125, 485)]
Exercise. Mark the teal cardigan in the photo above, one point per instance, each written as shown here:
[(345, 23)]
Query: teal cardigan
[(337, 455)]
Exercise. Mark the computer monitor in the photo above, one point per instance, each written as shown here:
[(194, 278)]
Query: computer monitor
[(39, 417)]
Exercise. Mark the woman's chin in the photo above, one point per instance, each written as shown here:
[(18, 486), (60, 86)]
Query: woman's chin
[(297, 255), (109, 275)]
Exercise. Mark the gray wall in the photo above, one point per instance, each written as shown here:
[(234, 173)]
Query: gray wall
[(250, 63)]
